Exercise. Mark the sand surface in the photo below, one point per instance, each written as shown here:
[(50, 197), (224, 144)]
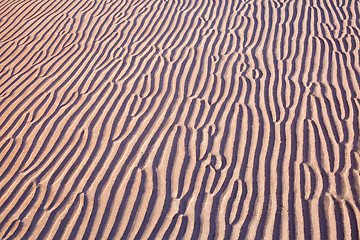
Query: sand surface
[(179, 119)]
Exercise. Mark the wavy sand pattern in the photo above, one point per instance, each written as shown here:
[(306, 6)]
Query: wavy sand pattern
[(179, 119)]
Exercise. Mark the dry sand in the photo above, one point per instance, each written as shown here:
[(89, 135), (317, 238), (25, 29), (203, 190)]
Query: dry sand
[(180, 119)]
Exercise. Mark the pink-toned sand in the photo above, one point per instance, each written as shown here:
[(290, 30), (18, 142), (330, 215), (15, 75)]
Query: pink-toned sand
[(179, 119)]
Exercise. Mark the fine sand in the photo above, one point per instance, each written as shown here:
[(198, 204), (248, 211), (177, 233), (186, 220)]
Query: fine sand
[(179, 119)]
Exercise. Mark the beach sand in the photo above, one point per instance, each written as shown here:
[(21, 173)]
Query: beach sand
[(179, 119)]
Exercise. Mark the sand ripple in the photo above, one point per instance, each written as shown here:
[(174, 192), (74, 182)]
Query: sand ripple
[(179, 119)]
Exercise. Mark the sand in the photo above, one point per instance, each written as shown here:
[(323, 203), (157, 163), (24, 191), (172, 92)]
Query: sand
[(179, 119)]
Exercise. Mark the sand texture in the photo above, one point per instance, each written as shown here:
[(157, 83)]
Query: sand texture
[(179, 119)]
